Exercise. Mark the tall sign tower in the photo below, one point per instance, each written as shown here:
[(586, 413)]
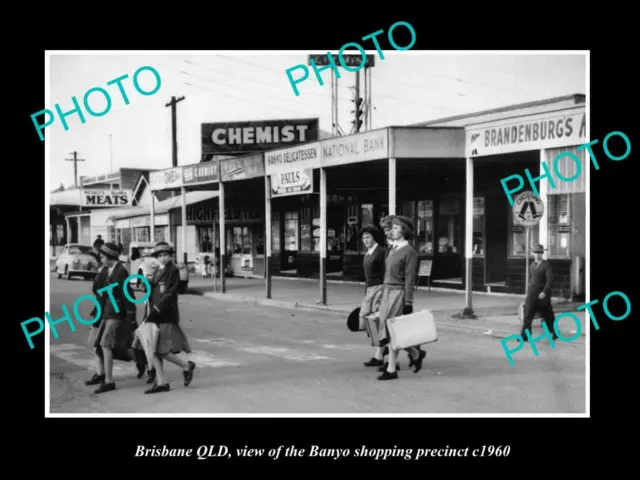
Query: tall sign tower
[(362, 113)]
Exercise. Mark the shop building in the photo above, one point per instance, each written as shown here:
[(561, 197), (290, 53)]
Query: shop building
[(444, 174)]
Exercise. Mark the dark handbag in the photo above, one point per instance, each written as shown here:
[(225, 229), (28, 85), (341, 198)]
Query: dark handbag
[(353, 320)]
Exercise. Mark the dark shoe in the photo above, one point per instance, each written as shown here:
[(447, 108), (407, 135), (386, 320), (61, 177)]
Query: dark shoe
[(141, 369), (385, 365), (412, 362), (95, 380), (374, 362), (105, 387), (152, 376), (418, 362), (188, 375), (388, 376), (158, 389)]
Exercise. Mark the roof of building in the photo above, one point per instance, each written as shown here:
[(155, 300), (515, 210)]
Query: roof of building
[(166, 205), (70, 197), (504, 112)]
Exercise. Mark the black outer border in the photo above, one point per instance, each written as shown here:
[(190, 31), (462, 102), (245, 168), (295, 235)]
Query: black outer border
[(564, 442)]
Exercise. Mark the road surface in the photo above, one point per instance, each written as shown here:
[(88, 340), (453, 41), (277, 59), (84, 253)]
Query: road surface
[(256, 359)]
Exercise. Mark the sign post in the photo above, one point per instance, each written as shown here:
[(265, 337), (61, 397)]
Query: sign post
[(528, 209)]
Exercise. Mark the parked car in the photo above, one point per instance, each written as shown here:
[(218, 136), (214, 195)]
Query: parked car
[(140, 260), (76, 261)]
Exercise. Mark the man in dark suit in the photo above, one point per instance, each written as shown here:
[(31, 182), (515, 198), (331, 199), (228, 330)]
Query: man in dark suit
[(538, 297)]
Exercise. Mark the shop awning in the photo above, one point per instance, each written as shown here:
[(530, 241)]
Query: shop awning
[(166, 205), (69, 197)]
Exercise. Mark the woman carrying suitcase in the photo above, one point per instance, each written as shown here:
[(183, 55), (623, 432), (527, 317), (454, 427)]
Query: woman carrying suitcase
[(401, 269)]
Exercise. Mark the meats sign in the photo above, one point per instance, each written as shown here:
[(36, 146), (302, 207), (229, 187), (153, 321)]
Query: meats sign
[(106, 198)]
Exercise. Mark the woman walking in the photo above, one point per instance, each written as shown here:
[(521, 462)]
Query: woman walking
[(162, 309), (401, 270), (373, 265), (113, 336)]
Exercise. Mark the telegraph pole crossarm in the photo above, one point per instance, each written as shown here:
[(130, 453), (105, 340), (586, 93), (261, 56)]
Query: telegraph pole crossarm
[(75, 161)]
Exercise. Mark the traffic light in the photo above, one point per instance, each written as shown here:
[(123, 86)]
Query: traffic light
[(359, 112)]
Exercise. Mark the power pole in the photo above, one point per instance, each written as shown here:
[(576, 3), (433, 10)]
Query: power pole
[(174, 127), (75, 161)]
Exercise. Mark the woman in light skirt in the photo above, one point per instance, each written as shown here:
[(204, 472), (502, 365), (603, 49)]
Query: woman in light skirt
[(373, 265), (401, 270), (162, 309)]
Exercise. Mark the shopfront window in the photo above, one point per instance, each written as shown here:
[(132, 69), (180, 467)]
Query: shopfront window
[(206, 239), (142, 234), (306, 243), (352, 242), (242, 242), (478, 226), (367, 218), (449, 224), (560, 226), (275, 232), (291, 231), (424, 227), (517, 233), (161, 234)]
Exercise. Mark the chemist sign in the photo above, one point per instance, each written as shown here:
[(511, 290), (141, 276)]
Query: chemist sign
[(528, 209)]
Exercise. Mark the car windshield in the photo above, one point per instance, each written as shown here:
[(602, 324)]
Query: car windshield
[(79, 249)]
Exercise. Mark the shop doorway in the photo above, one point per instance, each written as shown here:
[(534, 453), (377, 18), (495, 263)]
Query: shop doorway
[(289, 258), (335, 239), (497, 233)]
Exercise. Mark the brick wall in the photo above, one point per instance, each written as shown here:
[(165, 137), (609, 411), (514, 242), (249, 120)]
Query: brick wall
[(561, 283)]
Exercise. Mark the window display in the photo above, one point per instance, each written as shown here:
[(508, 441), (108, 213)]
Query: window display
[(424, 227), (449, 223), (517, 237), (275, 232), (478, 226), (560, 226), (291, 231)]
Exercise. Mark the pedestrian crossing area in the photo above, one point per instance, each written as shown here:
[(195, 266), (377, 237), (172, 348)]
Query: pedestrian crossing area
[(218, 352)]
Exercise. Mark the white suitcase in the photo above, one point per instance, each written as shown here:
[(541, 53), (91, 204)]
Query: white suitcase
[(412, 330)]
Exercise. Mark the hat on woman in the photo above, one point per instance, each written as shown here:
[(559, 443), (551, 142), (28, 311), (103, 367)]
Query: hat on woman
[(110, 251), (162, 247), (387, 221), (407, 225), (537, 248)]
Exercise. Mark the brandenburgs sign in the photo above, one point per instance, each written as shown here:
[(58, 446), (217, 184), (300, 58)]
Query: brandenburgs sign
[(239, 138)]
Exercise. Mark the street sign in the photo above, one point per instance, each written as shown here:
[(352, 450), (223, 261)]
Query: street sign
[(528, 209)]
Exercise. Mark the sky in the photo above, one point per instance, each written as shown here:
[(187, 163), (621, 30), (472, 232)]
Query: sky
[(407, 87)]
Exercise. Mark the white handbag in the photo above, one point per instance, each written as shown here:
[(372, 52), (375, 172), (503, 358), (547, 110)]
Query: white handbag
[(412, 330)]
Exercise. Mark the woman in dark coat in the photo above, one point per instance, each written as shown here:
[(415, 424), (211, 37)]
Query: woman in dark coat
[(373, 265), (401, 269), (162, 309), (112, 336)]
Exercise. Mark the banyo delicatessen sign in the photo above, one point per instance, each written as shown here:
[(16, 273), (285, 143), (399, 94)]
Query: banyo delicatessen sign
[(291, 170)]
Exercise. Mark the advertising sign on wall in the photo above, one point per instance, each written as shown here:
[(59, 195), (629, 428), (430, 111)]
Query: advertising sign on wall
[(532, 133), (166, 179), (242, 168), (105, 198), (355, 148), (200, 173), (291, 170), (238, 138), (294, 182), (107, 177)]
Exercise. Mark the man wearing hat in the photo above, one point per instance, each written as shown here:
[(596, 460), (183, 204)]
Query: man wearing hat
[(114, 335), (538, 297)]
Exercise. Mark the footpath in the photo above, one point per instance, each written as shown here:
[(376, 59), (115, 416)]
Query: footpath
[(497, 315)]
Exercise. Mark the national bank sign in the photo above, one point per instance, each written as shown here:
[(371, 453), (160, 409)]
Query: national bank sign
[(240, 138)]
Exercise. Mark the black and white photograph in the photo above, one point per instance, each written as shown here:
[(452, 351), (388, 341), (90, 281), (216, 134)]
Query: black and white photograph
[(281, 233)]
